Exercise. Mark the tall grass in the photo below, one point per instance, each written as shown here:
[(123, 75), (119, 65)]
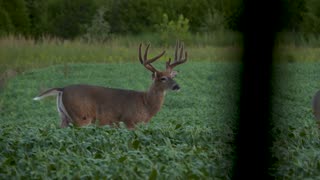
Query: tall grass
[(298, 39), (19, 53)]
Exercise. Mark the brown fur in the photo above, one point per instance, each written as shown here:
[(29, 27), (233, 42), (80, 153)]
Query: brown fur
[(86, 104)]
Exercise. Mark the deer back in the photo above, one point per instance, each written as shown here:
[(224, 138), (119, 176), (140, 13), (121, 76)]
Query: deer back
[(86, 103)]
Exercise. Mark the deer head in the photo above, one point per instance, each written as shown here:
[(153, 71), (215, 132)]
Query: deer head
[(163, 80)]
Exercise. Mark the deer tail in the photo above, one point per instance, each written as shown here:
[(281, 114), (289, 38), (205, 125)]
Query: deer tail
[(50, 92)]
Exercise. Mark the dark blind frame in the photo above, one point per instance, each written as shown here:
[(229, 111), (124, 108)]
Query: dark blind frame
[(253, 141)]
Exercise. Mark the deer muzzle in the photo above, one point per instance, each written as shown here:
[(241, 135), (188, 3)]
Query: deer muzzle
[(176, 87)]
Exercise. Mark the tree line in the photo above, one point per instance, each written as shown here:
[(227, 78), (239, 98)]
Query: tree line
[(69, 19)]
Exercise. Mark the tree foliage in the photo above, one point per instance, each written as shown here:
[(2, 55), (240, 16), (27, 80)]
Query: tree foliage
[(68, 17), (71, 19), (5, 22), (18, 13), (38, 17), (171, 30), (99, 29)]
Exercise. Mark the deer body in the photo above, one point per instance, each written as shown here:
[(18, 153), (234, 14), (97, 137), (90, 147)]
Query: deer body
[(85, 104)]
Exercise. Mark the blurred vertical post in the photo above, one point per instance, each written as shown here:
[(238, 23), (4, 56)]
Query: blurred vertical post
[(253, 139)]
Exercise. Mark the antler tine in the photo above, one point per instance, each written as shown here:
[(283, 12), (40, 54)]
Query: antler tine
[(155, 58), (146, 62), (146, 53), (181, 51), (168, 63), (176, 51), (140, 57), (178, 59)]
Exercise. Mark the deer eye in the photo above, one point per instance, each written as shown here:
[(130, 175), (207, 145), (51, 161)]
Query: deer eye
[(163, 79)]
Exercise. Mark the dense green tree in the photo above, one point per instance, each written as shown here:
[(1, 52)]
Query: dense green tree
[(72, 18), (292, 14), (5, 22), (228, 10), (38, 17), (194, 10), (311, 17), (314, 7), (67, 18), (18, 13), (134, 16)]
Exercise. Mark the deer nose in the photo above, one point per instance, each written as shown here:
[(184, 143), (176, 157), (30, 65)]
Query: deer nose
[(176, 87)]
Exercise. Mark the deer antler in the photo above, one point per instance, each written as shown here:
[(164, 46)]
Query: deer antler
[(147, 62), (178, 57)]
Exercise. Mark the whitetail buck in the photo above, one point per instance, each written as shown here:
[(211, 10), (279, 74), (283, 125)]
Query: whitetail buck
[(85, 104)]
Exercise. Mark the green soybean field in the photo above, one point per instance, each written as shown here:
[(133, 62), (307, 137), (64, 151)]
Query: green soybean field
[(192, 137)]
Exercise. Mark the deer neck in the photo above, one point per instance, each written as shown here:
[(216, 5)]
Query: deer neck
[(154, 98)]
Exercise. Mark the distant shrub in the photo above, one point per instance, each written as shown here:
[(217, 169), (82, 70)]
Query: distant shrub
[(214, 21), (172, 30), (99, 29)]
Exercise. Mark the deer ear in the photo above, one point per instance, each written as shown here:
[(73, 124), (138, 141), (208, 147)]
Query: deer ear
[(173, 74)]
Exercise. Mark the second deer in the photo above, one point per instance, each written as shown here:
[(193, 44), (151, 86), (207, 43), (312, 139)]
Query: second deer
[(85, 104)]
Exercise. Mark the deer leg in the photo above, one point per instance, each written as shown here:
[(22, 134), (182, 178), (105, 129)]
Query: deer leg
[(64, 121), (64, 116)]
